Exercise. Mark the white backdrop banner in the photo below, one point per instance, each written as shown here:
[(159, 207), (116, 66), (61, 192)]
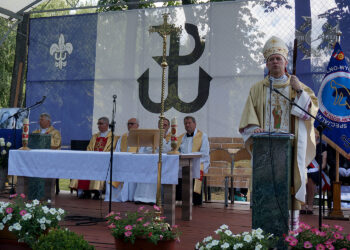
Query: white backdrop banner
[(79, 62)]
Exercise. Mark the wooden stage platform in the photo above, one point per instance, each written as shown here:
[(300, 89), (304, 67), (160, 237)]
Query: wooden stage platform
[(84, 218)]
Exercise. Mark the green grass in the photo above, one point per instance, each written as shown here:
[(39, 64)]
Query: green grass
[(64, 184)]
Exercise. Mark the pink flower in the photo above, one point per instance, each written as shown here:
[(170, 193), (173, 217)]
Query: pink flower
[(338, 236), (128, 227), (348, 237), (156, 208), (315, 231), (13, 195), (330, 246), (146, 224), (329, 241), (141, 208), (140, 219), (304, 226), (160, 237), (176, 226), (111, 226), (128, 233), (117, 218), (343, 248), (177, 239), (293, 243), (162, 217), (23, 196), (339, 228), (320, 247), (325, 225), (9, 210), (307, 244), (322, 234), (289, 238), (23, 212), (111, 213), (150, 234)]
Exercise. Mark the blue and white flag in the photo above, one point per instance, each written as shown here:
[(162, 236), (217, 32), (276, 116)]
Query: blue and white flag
[(334, 100)]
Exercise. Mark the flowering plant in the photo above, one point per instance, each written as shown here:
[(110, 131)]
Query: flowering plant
[(28, 220), (311, 238), (143, 223), (256, 239), (4, 149)]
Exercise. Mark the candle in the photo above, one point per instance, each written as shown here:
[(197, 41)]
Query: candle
[(25, 131), (173, 134)]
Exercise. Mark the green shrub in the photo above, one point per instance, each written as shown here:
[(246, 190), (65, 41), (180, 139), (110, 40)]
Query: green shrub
[(62, 239)]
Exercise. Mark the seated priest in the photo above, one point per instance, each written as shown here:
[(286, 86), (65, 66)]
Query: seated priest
[(194, 140), (122, 192), (146, 192), (100, 141)]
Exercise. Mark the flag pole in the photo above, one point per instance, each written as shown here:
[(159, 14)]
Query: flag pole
[(295, 54)]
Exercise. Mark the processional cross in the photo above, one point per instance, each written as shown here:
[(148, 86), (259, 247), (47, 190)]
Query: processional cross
[(163, 30)]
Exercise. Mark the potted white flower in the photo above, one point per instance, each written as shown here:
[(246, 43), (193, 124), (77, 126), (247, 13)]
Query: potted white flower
[(22, 221), (225, 239)]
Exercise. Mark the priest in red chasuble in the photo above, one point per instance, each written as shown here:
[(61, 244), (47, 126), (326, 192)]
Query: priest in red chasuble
[(100, 141)]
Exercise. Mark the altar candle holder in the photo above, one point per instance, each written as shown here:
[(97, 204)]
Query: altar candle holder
[(174, 141), (25, 134)]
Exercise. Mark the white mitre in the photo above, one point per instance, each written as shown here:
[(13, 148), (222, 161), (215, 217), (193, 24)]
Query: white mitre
[(275, 45)]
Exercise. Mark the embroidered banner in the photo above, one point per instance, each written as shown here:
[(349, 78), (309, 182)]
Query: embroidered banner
[(334, 100)]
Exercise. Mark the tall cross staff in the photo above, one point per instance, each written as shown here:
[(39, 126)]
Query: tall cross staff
[(163, 30)]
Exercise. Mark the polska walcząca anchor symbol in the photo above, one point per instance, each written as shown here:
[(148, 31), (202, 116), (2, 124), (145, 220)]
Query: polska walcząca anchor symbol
[(174, 60)]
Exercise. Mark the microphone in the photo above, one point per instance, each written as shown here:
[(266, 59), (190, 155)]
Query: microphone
[(271, 87), (41, 101), (114, 96), (270, 113)]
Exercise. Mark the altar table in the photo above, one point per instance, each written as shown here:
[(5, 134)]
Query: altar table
[(127, 167)]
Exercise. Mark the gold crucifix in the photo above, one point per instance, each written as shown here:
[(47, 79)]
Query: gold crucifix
[(163, 30)]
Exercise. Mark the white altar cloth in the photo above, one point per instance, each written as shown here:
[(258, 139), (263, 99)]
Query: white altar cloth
[(90, 165)]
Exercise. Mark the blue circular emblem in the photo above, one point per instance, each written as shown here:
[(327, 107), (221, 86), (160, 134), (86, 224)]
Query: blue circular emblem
[(334, 96)]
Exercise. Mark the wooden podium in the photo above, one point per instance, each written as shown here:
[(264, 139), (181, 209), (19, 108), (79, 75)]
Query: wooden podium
[(37, 188), (272, 183), (144, 138)]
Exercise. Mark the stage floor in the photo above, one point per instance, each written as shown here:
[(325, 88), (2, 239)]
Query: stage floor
[(83, 217)]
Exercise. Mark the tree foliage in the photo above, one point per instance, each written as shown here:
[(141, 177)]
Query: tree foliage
[(7, 55), (52, 5), (120, 5)]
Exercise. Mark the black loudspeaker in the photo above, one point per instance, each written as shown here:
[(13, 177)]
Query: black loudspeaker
[(79, 144)]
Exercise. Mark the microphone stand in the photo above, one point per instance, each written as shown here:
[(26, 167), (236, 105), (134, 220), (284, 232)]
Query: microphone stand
[(322, 126), (112, 126), (16, 116)]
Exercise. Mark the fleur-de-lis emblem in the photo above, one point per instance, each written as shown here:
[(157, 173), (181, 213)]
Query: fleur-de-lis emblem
[(60, 50)]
